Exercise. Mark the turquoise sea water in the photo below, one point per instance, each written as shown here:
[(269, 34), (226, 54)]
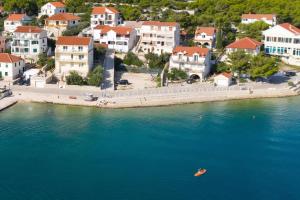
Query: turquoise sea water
[(251, 150)]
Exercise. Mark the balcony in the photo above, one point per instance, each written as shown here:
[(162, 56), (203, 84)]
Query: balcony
[(184, 61)]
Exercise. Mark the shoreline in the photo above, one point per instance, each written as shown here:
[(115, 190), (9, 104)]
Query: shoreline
[(139, 101)]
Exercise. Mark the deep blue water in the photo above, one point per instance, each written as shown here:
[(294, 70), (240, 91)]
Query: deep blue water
[(250, 148)]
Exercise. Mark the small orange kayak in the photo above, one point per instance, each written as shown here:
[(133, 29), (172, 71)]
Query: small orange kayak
[(200, 172)]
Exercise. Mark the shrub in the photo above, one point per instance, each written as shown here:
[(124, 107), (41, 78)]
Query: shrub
[(177, 74), (96, 76), (132, 59), (74, 79)]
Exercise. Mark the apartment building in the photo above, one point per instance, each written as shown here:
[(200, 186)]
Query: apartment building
[(246, 44), (270, 19), (58, 23), (28, 42), (52, 8), (120, 38), (158, 37), (196, 61), (105, 16), (11, 67), (73, 54), (205, 36), (13, 21), (283, 40)]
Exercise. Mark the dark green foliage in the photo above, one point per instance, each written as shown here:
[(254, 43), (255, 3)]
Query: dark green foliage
[(132, 59), (262, 67), (177, 74), (74, 79), (95, 77), (42, 59), (157, 62), (219, 43), (73, 31), (50, 65), (252, 30)]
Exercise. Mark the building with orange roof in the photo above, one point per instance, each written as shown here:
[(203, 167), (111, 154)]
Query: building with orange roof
[(283, 40), (11, 67), (158, 37), (246, 44), (52, 8), (205, 36), (223, 79), (58, 23), (267, 18), (15, 20), (73, 53), (120, 38), (28, 42), (195, 61), (105, 16)]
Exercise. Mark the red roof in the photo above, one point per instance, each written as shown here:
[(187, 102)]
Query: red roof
[(258, 16), (158, 23), (190, 51), (58, 4), (15, 17), (73, 40), (28, 29), (290, 28), (63, 17), (210, 31), (244, 43), (8, 58), (226, 74), (103, 10), (120, 30)]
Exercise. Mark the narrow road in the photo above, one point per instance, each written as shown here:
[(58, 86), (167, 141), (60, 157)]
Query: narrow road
[(109, 71)]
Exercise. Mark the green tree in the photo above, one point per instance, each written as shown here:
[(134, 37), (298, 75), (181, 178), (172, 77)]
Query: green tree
[(219, 42), (95, 77), (240, 61), (177, 74), (157, 61), (42, 59), (252, 30), (262, 67), (74, 79), (132, 59), (50, 65)]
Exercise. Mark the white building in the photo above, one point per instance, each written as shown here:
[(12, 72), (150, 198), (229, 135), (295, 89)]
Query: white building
[(137, 25), (246, 44), (224, 79), (120, 38), (58, 23), (13, 21), (193, 60), (52, 8), (267, 18), (205, 36), (28, 42), (105, 16), (11, 67), (283, 40), (73, 54), (158, 37)]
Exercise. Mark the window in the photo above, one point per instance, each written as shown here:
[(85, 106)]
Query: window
[(26, 50), (80, 48), (57, 22), (34, 50), (34, 42), (81, 57), (196, 58), (65, 48)]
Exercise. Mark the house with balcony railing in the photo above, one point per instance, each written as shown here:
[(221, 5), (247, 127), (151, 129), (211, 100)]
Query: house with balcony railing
[(158, 37), (13, 21), (58, 23), (28, 42), (283, 40), (120, 38), (205, 36), (52, 8), (195, 61), (73, 54), (105, 16)]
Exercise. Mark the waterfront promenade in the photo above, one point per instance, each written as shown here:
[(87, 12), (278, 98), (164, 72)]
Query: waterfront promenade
[(7, 102), (153, 96)]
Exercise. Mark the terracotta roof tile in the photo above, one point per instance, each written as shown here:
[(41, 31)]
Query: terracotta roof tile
[(8, 58), (210, 31), (103, 10), (121, 30), (158, 23), (15, 17), (190, 51), (290, 28), (244, 43), (58, 4), (226, 74), (73, 40), (28, 29), (258, 16), (63, 17)]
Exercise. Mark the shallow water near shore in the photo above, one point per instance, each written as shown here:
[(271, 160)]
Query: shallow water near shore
[(251, 149)]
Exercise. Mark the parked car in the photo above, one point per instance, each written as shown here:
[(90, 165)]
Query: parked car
[(190, 81), (290, 73), (123, 82)]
